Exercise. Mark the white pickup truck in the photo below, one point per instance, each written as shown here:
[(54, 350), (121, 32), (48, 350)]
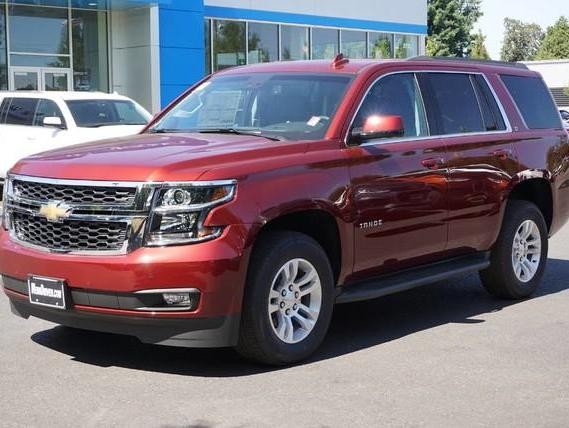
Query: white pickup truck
[(33, 122)]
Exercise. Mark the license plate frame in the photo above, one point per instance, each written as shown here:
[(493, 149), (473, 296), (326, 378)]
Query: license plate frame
[(47, 292)]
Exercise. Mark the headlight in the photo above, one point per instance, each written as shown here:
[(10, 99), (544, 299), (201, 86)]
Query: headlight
[(3, 202), (180, 210)]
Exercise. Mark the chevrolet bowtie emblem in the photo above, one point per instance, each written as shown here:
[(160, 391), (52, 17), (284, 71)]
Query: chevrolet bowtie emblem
[(55, 212)]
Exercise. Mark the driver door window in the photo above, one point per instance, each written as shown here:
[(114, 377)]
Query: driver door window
[(47, 108), (396, 95)]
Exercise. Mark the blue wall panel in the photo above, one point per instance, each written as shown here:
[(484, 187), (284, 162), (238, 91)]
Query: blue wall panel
[(182, 50), (295, 18)]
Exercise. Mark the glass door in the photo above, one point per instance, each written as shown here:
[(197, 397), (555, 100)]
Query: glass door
[(40, 79), (56, 80), (24, 79)]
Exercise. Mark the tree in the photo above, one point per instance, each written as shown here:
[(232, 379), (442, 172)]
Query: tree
[(521, 40), (478, 49), (450, 24), (555, 45)]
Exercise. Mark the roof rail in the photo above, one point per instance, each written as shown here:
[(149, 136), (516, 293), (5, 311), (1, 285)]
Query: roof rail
[(470, 61)]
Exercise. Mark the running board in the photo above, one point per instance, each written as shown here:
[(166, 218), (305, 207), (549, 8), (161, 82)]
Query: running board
[(412, 278)]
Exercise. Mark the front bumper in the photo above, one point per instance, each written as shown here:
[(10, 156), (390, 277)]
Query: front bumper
[(102, 289), (215, 332)]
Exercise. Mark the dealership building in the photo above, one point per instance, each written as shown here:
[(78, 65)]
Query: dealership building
[(153, 50)]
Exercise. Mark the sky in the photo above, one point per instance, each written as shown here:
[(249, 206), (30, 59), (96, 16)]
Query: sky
[(542, 12)]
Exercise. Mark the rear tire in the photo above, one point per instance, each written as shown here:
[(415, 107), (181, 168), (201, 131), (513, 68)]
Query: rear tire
[(518, 259), (288, 299)]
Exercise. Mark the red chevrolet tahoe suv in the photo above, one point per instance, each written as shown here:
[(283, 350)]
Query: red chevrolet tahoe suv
[(268, 193)]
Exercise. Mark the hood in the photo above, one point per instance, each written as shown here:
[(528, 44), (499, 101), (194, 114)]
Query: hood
[(152, 157)]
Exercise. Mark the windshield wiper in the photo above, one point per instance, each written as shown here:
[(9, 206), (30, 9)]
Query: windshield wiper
[(239, 132), (163, 131), (103, 124)]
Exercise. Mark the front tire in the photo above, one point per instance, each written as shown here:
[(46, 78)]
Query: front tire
[(517, 261), (288, 299)]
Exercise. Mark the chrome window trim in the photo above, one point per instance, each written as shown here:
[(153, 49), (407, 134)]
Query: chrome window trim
[(415, 72)]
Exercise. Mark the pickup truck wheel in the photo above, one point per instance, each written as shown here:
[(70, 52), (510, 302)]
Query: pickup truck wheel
[(288, 300), (519, 256)]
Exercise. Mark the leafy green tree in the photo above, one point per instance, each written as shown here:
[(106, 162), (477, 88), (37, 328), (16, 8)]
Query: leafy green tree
[(555, 45), (450, 24), (521, 40), (478, 49), (381, 49)]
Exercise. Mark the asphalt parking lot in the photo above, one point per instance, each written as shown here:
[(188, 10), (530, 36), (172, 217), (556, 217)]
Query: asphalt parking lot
[(444, 355)]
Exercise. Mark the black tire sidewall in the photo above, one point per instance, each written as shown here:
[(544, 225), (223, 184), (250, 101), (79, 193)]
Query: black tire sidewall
[(516, 214), (280, 249)]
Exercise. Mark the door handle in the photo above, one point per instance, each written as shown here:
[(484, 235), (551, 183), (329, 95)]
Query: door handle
[(433, 163), (502, 153)]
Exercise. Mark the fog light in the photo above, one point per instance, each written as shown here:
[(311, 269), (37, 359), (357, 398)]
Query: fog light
[(177, 299)]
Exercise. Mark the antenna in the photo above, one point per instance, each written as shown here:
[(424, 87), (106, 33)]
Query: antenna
[(339, 61)]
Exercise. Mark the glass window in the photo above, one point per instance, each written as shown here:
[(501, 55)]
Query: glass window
[(493, 119), (90, 62), (534, 101), (324, 43), (47, 108), (21, 111), (294, 43), (39, 30), (380, 45), (228, 44), (39, 61), (90, 4), (55, 3), (455, 103), (354, 44), (3, 55), (396, 95), (263, 42), (98, 113), (207, 34), (291, 106), (406, 46)]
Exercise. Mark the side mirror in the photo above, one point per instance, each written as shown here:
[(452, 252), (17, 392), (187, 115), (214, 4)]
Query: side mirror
[(376, 127), (53, 121)]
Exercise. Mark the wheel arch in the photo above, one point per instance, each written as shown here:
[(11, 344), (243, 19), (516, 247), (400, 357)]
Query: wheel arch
[(316, 222), (537, 190)]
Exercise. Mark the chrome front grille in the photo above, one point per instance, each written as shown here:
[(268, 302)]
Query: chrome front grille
[(70, 236), (75, 216), (74, 194)]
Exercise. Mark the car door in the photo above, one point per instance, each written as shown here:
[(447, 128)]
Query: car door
[(399, 184), (481, 160)]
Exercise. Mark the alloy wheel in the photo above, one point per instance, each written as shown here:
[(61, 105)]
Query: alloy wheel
[(295, 300)]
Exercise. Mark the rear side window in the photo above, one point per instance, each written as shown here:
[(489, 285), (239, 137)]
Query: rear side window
[(454, 106), (534, 101), (493, 119), (21, 111)]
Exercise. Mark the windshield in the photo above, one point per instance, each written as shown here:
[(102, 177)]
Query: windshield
[(98, 113), (279, 106)]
